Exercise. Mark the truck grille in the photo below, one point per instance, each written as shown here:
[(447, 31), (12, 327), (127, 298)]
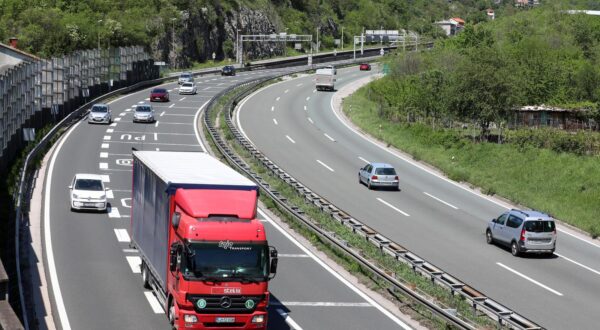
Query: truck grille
[(226, 304)]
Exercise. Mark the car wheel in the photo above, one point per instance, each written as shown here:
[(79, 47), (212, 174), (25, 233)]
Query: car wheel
[(514, 249), (369, 185), (488, 237)]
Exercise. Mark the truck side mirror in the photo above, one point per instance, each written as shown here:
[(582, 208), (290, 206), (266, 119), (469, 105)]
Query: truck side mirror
[(175, 219), (173, 258), (274, 261)]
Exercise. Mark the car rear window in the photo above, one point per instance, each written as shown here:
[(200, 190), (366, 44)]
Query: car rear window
[(385, 171), (188, 85), (88, 184), (538, 226), (99, 108), (141, 108), (185, 75)]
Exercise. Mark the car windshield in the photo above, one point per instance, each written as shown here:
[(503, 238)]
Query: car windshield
[(538, 226), (88, 184), (141, 108), (159, 90), (100, 108), (185, 76), (385, 171), (227, 260)]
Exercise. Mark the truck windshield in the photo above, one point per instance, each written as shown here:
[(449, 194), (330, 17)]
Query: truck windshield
[(228, 261)]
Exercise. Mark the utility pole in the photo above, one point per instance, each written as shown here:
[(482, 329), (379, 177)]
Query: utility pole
[(362, 41), (237, 45), (317, 40), (342, 38), (173, 38), (99, 21)]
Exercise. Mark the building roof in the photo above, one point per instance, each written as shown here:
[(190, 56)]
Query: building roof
[(8, 49), (458, 20)]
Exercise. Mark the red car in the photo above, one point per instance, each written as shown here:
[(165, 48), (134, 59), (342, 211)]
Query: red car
[(365, 67), (159, 94)]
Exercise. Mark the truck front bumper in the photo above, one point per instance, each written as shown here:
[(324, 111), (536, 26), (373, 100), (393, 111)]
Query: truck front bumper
[(256, 320)]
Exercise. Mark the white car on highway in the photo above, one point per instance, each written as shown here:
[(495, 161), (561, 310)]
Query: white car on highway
[(188, 88), (87, 192)]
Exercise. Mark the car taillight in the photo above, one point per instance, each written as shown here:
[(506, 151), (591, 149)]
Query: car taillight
[(522, 239), (396, 178), (374, 177)]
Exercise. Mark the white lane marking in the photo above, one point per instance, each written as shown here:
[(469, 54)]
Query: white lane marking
[(103, 166), (291, 255), (130, 251), (156, 124), (291, 323), (441, 201), (273, 108), (109, 194), (117, 119), (156, 307), (308, 98), (140, 102), (310, 120), (393, 207), (122, 235), (114, 212), (157, 149), (579, 264), (104, 155), (286, 91), (122, 114), (183, 98), (104, 146), (325, 165), (106, 138), (147, 99), (529, 279), (124, 202), (155, 136), (113, 125), (277, 99), (300, 84), (334, 273), (305, 108), (289, 138), (196, 120), (323, 304), (275, 121), (128, 109), (364, 160), (206, 88), (579, 238), (134, 262), (105, 178), (58, 299), (172, 105), (219, 84), (162, 114), (110, 130), (329, 137)]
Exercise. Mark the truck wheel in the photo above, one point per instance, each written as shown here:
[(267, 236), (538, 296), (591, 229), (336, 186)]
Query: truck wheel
[(145, 276), (171, 314)]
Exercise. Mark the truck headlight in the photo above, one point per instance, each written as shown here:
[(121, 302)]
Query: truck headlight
[(258, 318), (189, 318)]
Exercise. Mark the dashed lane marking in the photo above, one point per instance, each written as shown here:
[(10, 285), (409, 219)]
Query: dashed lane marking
[(393, 207), (289, 138), (114, 212), (104, 145), (103, 166), (325, 165), (153, 302), (105, 178), (122, 235), (104, 155), (135, 263)]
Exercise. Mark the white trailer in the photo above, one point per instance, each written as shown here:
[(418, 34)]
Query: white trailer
[(325, 79)]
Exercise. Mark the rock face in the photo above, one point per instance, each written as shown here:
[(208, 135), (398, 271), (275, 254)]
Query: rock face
[(200, 33)]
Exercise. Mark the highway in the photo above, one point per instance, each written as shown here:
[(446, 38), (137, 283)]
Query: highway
[(93, 272), (439, 220)]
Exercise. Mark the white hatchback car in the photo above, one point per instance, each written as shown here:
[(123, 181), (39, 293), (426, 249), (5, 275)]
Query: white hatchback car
[(188, 88), (87, 192)]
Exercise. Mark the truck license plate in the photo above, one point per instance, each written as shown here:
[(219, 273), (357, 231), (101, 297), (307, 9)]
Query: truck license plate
[(225, 320)]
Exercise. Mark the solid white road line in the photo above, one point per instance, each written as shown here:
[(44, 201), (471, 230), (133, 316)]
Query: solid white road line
[(105, 178), (106, 138), (393, 207), (109, 130), (325, 165), (134, 263), (103, 166), (104, 155), (275, 121), (289, 138), (364, 160), (334, 273), (114, 212), (441, 201), (579, 264), (579, 238), (323, 304), (277, 99), (291, 323), (162, 113), (156, 307), (122, 235), (329, 137), (289, 255), (529, 279), (310, 120), (104, 145), (196, 121)]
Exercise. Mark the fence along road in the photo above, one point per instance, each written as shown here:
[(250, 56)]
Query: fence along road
[(437, 219)]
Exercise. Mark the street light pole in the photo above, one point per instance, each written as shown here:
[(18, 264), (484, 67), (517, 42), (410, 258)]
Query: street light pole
[(237, 45), (99, 21), (342, 38), (318, 40), (173, 38)]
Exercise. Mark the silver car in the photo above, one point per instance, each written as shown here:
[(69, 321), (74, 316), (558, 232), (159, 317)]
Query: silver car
[(188, 88), (87, 192), (185, 77), (100, 113), (143, 113), (523, 232), (379, 175)]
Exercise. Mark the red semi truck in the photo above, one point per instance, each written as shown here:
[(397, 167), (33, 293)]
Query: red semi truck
[(204, 253)]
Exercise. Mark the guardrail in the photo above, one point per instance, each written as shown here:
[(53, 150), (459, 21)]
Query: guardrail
[(479, 301)]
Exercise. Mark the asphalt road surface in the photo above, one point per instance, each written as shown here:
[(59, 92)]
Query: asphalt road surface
[(441, 221), (95, 274)]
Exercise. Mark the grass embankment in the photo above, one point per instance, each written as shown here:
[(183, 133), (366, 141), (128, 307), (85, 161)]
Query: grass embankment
[(565, 185)]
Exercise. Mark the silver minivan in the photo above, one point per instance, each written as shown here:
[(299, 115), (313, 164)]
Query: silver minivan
[(523, 232)]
